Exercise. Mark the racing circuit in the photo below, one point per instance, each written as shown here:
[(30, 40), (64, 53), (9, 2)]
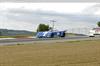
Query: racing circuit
[(39, 40)]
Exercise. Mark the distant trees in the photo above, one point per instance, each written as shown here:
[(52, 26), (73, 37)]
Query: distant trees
[(98, 23), (43, 27), (0, 33), (8, 32)]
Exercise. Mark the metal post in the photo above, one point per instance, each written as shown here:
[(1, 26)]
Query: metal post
[(52, 24)]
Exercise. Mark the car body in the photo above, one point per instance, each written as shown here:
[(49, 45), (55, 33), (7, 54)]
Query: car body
[(50, 34), (94, 32)]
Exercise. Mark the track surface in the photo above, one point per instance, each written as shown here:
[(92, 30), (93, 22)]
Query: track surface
[(33, 40)]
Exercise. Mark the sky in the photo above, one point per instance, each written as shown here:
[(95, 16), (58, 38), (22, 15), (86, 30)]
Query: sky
[(49, 0), (27, 16)]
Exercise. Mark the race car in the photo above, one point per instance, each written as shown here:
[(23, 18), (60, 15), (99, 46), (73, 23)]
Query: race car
[(50, 34)]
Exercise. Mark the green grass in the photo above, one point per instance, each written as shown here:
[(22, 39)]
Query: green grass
[(69, 53), (16, 36), (6, 37)]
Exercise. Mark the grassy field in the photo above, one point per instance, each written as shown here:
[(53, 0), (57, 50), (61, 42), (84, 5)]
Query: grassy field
[(17, 36), (69, 53)]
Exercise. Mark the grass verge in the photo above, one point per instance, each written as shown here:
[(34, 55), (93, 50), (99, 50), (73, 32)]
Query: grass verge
[(72, 53)]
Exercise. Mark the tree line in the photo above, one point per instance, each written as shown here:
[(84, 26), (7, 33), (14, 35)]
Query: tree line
[(43, 27)]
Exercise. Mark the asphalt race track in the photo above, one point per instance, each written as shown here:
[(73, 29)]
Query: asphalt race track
[(36, 40)]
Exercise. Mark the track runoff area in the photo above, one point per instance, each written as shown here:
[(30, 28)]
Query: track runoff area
[(44, 40)]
